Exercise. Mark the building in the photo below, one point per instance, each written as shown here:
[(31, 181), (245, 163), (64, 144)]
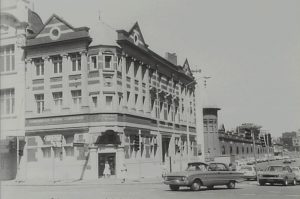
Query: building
[(17, 21), (210, 130), (290, 140), (92, 100)]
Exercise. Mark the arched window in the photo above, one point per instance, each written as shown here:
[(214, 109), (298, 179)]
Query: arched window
[(223, 150)]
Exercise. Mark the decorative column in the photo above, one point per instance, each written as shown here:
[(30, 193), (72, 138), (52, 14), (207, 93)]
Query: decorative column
[(30, 101), (66, 70), (84, 81), (47, 92), (92, 166), (147, 94)]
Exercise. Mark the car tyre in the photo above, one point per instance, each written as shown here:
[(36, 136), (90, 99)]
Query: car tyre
[(285, 182), (261, 183), (196, 185), (294, 182), (210, 187), (174, 187), (231, 185)]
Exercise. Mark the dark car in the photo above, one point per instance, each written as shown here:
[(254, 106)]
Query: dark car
[(200, 174)]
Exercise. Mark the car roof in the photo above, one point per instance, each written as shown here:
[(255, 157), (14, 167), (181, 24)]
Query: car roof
[(193, 163)]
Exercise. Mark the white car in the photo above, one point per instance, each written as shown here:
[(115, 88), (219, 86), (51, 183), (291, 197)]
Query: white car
[(249, 172), (296, 171)]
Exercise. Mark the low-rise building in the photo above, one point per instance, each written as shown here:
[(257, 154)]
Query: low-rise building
[(93, 101)]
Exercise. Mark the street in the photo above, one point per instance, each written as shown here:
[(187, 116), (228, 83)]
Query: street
[(247, 189)]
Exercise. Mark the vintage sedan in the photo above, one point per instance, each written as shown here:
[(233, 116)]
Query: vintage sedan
[(249, 172), (277, 174), (200, 174)]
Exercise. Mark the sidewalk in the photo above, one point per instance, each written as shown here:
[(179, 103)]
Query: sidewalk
[(101, 181)]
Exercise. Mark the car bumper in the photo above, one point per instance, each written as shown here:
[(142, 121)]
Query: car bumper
[(279, 179), (176, 182)]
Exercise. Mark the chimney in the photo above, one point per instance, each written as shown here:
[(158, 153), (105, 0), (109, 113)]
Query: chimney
[(171, 57)]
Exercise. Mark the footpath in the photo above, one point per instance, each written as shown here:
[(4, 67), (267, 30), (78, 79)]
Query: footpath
[(100, 181)]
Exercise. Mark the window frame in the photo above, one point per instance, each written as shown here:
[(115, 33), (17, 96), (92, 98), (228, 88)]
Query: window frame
[(93, 66), (76, 62), (40, 103), (57, 64), (76, 98), (7, 101), (39, 67), (110, 63), (7, 57)]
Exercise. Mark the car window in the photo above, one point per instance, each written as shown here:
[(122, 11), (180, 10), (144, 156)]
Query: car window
[(246, 168), (295, 169), (217, 167), (275, 168)]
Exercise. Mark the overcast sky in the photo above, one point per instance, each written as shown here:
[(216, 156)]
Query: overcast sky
[(251, 49)]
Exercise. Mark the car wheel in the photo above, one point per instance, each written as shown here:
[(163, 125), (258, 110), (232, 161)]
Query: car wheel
[(231, 185), (210, 187), (261, 183), (294, 182), (196, 185), (174, 187), (285, 182)]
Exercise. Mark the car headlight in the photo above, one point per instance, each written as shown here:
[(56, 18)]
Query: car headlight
[(183, 178)]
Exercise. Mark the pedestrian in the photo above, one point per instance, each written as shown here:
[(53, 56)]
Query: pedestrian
[(123, 172), (106, 172)]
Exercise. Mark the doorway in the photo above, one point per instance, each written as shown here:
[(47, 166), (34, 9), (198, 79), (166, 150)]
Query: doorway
[(110, 158)]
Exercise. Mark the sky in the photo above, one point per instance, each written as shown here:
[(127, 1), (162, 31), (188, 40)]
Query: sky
[(249, 48)]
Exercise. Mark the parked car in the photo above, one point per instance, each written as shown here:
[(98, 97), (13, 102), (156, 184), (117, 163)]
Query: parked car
[(296, 171), (249, 172), (200, 174), (287, 161), (277, 174)]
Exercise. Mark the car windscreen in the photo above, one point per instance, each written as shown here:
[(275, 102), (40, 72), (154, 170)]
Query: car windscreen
[(275, 168), (195, 167)]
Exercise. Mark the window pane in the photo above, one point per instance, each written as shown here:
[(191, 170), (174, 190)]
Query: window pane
[(13, 62), (7, 62), (1, 63), (107, 61)]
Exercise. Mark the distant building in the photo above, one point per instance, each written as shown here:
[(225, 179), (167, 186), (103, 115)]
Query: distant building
[(290, 140), (17, 22)]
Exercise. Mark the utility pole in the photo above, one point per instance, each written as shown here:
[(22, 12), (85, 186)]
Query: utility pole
[(254, 149), (140, 154)]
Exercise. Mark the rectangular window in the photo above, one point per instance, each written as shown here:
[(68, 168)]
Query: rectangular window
[(94, 99), (108, 101), (108, 60), (57, 64), (57, 97), (7, 58), (39, 99), (93, 64), (39, 66), (7, 101), (69, 151), (46, 152), (76, 96), (76, 62)]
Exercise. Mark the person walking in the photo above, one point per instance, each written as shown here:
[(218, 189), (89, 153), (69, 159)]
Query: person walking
[(106, 172), (123, 172)]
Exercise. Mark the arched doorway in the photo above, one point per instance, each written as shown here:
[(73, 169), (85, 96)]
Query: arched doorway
[(107, 140)]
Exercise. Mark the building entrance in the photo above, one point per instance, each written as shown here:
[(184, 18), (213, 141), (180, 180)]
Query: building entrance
[(111, 159)]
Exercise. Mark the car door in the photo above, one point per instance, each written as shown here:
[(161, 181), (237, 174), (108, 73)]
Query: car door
[(290, 174)]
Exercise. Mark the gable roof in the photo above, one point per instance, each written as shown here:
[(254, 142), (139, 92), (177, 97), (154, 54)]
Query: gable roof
[(186, 68), (57, 29), (137, 28)]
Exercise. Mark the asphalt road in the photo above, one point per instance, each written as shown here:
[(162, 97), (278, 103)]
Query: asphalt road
[(244, 190)]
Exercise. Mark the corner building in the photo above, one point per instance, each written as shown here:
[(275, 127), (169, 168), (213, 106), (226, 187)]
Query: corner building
[(88, 103)]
